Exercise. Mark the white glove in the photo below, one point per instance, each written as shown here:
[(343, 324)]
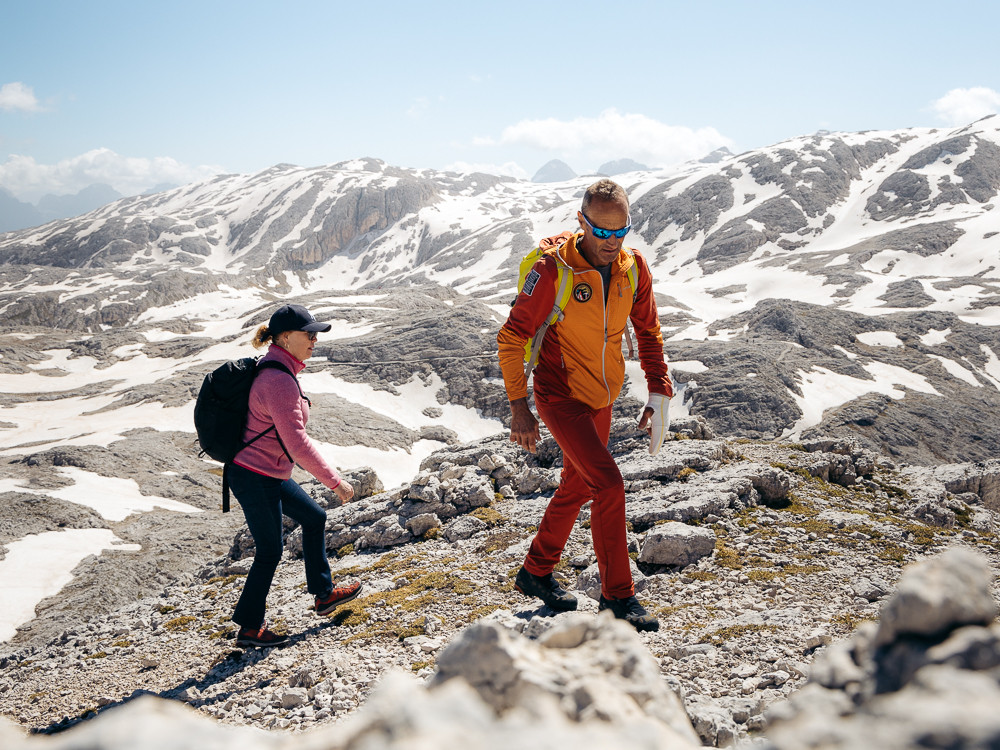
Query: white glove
[(659, 423)]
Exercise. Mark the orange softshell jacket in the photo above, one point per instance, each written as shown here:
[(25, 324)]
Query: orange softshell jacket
[(581, 355)]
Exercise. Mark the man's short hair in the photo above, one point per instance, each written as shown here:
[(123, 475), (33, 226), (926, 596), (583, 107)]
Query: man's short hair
[(604, 190)]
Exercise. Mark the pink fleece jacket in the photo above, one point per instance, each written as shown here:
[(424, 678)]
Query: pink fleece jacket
[(275, 399)]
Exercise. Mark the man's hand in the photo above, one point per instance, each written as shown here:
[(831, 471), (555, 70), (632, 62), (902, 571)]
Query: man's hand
[(523, 425), (344, 491), (655, 420)]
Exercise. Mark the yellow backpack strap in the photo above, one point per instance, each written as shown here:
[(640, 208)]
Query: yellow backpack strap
[(633, 281), (564, 286), (633, 273)]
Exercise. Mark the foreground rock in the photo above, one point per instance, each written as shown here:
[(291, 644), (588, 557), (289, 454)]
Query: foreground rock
[(585, 684), (927, 675), (590, 683)]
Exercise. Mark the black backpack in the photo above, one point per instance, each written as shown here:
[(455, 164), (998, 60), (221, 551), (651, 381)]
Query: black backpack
[(220, 413)]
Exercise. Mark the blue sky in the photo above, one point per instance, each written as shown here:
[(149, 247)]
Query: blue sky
[(135, 93)]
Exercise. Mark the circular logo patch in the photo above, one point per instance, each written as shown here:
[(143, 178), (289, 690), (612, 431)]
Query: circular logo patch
[(582, 292)]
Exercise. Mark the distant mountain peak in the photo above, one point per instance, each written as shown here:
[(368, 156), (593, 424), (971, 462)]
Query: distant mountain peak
[(554, 171), (15, 214), (621, 166), (716, 156)]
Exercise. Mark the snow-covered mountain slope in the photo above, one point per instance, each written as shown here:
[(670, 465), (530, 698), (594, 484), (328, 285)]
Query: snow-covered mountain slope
[(841, 219), (841, 234)]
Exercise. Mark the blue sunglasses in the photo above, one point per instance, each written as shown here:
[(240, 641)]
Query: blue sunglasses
[(603, 234)]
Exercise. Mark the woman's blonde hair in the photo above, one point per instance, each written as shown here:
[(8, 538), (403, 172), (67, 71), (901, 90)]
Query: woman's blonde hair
[(262, 337)]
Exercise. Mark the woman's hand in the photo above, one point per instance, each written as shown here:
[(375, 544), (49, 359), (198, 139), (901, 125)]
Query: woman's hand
[(344, 491)]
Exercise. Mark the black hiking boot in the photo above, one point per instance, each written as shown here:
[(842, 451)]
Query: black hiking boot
[(631, 612), (545, 588)]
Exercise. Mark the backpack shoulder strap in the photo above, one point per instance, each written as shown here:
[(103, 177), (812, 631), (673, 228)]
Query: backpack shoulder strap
[(564, 287), (633, 273)]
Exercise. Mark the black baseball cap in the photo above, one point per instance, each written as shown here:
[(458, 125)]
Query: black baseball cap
[(295, 318)]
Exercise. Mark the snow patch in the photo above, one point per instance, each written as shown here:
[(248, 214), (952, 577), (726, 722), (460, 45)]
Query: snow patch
[(879, 338), (115, 499), (956, 370), (40, 565)]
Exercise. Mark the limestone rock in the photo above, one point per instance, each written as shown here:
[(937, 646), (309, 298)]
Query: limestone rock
[(422, 523), (920, 678), (510, 671), (949, 591), (463, 527), (674, 543)]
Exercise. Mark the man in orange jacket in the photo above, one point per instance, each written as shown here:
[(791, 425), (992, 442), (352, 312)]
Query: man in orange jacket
[(579, 374)]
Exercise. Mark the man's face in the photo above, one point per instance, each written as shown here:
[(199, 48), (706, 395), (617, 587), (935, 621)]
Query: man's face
[(604, 215)]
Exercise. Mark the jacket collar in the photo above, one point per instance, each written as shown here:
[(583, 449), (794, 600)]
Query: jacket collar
[(280, 354), (571, 256)]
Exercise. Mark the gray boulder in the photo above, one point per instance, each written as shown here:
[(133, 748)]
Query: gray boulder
[(924, 676), (385, 532), (674, 543), (871, 588), (948, 591), (713, 723), (421, 524), (595, 671), (464, 527)]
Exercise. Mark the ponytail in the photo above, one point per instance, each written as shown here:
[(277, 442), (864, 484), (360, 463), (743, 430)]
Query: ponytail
[(262, 337)]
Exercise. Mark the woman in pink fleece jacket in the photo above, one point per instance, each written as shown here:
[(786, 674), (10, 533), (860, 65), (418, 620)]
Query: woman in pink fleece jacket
[(260, 477)]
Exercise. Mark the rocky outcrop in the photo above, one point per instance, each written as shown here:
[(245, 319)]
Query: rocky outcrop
[(752, 385), (589, 669), (924, 676), (586, 682), (980, 478)]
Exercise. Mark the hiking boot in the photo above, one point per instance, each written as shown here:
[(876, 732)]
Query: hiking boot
[(546, 589), (260, 637), (326, 604), (631, 612)]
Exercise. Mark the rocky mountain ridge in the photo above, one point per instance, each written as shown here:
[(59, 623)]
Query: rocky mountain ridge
[(759, 558)]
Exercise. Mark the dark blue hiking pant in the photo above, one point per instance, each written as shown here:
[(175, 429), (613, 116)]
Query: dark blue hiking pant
[(263, 500)]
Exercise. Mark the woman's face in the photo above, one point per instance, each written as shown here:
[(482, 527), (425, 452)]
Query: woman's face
[(298, 343)]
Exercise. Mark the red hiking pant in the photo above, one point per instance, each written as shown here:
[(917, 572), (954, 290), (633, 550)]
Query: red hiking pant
[(589, 474)]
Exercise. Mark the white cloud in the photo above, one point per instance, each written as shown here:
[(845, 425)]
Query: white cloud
[(962, 106), (507, 169), (29, 180), (612, 135), (18, 96)]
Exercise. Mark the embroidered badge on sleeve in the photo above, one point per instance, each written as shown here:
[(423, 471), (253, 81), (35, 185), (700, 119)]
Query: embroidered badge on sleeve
[(529, 281)]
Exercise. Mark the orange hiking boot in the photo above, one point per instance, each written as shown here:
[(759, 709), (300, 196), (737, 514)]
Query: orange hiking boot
[(260, 637), (326, 604)]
